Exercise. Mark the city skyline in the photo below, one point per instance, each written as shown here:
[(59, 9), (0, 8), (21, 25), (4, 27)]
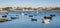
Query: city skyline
[(29, 3)]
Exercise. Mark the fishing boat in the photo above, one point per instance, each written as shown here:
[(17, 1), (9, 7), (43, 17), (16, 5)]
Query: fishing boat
[(33, 19), (47, 17), (45, 21)]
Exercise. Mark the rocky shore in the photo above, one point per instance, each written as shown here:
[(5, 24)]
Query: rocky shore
[(4, 11)]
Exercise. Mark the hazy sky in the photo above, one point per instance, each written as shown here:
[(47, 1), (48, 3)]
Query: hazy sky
[(29, 3)]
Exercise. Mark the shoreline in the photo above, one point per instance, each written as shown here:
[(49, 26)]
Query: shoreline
[(36, 10), (30, 11)]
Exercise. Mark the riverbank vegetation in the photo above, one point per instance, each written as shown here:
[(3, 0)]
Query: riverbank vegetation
[(29, 9)]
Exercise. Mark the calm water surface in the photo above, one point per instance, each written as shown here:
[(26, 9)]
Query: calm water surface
[(24, 21)]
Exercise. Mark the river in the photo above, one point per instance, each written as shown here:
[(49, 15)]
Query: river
[(24, 21)]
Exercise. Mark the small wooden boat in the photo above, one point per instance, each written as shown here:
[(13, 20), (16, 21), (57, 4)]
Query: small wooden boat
[(33, 19), (30, 15), (14, 17), (4, 16), (47, 17), (52, 15)]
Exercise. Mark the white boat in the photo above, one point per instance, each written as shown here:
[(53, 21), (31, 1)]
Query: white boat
[(46, 21), (22, 14)]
